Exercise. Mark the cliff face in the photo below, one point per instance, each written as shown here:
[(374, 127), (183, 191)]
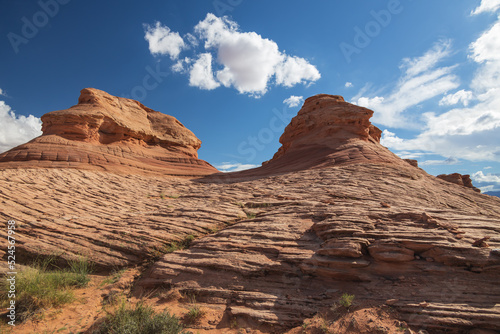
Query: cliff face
[(116, 134)]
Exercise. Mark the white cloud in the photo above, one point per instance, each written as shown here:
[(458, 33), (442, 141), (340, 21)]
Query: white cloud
[(163, 41), (249, 61), (179, 66), (449, 161), (295, 70), (243, 60), (463, 96), (489, 167), (192, 39), (480, 177), (422, 64), (16, 129), (1, 91), (293, 101), (201, 74), (348, 84), (421, 80), (234, 167), (487, 46), (471, 132), (488, 188), (411, 155), (487, 6)]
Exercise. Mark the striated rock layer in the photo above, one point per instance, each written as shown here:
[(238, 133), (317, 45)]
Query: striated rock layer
[(385, 233), (352, 217), (333, 212), (106, 132)]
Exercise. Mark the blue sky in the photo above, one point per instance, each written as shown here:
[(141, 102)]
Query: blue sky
[(236, 71)]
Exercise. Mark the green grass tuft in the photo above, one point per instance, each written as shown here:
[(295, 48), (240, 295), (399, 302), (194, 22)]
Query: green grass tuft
[(195, 313), (140, 320), (39, 288), (113, 278)]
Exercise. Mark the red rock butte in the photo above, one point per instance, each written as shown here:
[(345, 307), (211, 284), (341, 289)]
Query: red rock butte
[(105, 132), (327, 131)]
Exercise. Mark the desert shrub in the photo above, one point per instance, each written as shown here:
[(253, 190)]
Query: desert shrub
[(141, 319), (346, 300)]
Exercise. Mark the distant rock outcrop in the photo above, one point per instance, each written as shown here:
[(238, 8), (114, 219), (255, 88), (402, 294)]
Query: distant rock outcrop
[(461, 180), (112, 133)]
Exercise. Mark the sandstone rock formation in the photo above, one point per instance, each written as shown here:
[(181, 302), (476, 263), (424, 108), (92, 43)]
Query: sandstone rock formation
[(280, 243), (327, 131), (461, 180), (106, 132)]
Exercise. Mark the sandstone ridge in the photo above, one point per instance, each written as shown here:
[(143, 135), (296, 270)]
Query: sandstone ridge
[(111, 133)]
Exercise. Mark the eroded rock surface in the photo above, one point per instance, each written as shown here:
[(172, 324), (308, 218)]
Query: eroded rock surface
[(327, 131), (321, 232), (279, 243), (461, 180), (105, 132)]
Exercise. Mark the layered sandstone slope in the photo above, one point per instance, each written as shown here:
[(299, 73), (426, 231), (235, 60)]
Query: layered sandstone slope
[(327, 131), (106, 132), (357, 219), (113, 220), (273, 249), (385, 233)]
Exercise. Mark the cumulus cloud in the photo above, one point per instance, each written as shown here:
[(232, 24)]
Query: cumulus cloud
[(348, 84), (245, 61), (163, 41), (234, 167), (487, 6), (16, 129), (420, 81), (201, 74), (1, 91), (480, 177), (295, 70), (462, 96), (293, 101)]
